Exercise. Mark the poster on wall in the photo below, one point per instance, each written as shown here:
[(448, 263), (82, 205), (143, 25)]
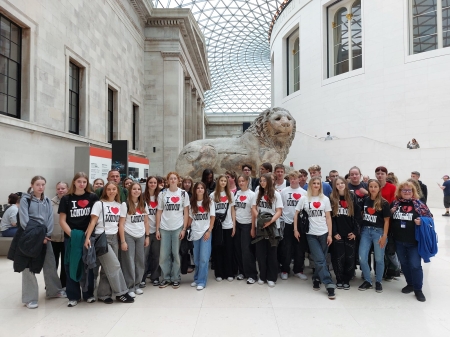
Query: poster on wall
[(120, 157)]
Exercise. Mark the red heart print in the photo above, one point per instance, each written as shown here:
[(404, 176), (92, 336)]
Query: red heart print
[(83, 203), (359, 194), (175, 199), (407, 209), (201, 209), (115, 210), (296, 196), (153, 204), (138, 211), (316, 204), (242, 197), (343, 203), (224, 198), (370, 210), (266, 197)]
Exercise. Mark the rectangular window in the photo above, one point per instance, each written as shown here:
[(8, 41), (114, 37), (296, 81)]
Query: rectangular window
[(135, 126), (293, 62), (110, 115), (74, 99), (10, 67)]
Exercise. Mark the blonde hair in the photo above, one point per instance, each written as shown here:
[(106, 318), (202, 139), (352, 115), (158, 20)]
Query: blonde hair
[(321, 195), (293, 174), (415, 194)]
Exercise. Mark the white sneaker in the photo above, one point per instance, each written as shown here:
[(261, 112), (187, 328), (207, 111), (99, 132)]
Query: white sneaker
[(91, 300), (72, 304), (139, 291), (250, 281), (230, 279), (193, 284), (61, 294), (284, 276), (271, 284), (200, 287), (218, 279), (301, 276), (260, 282), (132, 294), (240, 277), (32, 305)]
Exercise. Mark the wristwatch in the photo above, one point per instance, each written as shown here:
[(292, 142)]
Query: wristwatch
[(147, 235)]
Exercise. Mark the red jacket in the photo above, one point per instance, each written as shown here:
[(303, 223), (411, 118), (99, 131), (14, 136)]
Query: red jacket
[(388, 192)]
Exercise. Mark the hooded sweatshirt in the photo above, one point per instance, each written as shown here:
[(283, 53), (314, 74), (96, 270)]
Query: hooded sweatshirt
[(40, 211)]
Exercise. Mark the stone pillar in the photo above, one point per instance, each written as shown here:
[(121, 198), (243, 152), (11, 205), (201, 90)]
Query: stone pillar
[(187, 111), (194, 115), (200, 119)]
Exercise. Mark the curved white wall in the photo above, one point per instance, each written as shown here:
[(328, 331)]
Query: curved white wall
[(394, 97)]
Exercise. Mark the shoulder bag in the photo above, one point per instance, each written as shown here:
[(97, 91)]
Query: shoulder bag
[(101, 243)]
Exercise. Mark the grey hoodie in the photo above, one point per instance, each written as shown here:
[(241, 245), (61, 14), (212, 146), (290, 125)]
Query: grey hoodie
[(40, 211)]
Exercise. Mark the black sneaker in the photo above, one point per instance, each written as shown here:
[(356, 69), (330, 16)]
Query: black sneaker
[(125, 298), (107, 300), (446, 214), (176, 285), (408, 289), (164, 284), (389, 278), (378, 287), (339, 286), (346, 286), (331, 294), (155, 283), (366, 285), (419, 295), (142, 285), (316, 285)]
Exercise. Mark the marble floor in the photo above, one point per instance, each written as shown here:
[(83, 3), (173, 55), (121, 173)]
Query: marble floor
[(292, 308)]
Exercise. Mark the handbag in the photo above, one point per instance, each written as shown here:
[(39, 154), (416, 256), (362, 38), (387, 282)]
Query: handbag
[(303, 222), (217, 232), (101, 243)]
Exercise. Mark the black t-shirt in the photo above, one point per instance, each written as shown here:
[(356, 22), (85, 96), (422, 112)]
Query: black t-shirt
[(77, 209), (402, 226), (372, 217), (355, 188), (343, 224)]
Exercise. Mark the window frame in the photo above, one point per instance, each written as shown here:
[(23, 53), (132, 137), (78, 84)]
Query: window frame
[(18, 97), (290, 58), (135, 127), (110, 115), (71, 92)]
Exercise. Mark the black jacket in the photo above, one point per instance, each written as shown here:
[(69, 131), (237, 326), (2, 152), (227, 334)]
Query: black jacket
[(424, 189), (27, 248)]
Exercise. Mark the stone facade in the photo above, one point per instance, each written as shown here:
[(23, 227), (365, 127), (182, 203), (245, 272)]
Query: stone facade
[(231, 125), (153, 59)]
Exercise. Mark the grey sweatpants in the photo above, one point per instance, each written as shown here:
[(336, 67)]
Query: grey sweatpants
[(133, 261), (30, 289), (111, 277)]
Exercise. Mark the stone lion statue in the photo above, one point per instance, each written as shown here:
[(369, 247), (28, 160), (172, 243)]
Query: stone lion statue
[(268, 139)]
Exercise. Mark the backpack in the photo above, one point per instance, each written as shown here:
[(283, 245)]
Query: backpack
[(18, 219)]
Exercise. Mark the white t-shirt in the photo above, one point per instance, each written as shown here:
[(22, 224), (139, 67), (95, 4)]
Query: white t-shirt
[(111, 210), (171, 203), (200, 221), (243, 202), (152, 207), (316, 208), (290, 199), (264, 205), (221, 208), (279, 188), (134, 223)]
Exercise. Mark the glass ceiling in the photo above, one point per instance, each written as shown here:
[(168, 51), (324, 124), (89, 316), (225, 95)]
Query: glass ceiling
[(236, 33)]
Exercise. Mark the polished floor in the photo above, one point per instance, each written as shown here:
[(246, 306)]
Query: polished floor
[(292, 308)]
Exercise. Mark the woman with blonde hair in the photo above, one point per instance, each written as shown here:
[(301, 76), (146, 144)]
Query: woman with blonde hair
[(407, 210)]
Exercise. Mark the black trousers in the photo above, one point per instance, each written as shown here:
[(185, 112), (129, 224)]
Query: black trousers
[(243, 251), (289, 247), (224, 256), (59, 251), (343, 259), (266, 255)]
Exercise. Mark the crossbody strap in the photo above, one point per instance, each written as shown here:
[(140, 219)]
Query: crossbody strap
[(103, 213)]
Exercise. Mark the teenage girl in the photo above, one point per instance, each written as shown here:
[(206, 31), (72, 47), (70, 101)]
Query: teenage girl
[(105, 217), (223, 252), (134, 237), (201, 221)]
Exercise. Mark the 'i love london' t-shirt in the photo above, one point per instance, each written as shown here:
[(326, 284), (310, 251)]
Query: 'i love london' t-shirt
[(152, 207), (172, 204), (77, 209), (134, 223), (111, 211), (402, 225), (200, 220), (243, 201), (221, 207), (290, 198), (343, 224), (359, 195), (372, 217), (316, 207), (264, 206)]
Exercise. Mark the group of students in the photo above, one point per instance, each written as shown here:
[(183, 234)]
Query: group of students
[(234, 221)]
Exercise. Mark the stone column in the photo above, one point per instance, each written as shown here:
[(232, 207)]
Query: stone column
[(187, 111), (194, 115), (200, 119)]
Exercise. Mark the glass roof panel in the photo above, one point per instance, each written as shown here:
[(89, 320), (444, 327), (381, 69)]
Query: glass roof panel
[(236, 33)]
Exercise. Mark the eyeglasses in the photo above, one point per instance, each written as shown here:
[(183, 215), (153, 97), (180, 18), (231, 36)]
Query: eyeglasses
[(407, 191)]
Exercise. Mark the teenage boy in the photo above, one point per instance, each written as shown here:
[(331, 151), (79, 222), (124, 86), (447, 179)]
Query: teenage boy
[(280, 182)]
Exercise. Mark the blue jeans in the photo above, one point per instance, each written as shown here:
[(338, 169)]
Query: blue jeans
[(169, 256), (411, 263), (202, 252), (371, 235), (9, 233), (319, 249)]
